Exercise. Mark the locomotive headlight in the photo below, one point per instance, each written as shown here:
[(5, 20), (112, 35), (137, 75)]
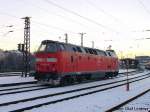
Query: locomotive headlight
[(51, 59), (46, 59), (40, 59)]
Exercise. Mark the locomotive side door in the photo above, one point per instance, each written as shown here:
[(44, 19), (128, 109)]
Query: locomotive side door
[(74, 62)]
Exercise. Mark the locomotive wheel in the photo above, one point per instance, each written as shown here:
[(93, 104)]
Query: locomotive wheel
[(115, 74), (79, 79), (111, 74), (107, 75), (63, 82), (66, 81), (88, 77), (70, 79)]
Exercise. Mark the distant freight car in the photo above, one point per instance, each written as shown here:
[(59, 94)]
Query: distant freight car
[(60, 63)]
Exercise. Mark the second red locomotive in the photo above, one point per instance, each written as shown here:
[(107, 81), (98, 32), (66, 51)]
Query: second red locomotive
[(61, 63)]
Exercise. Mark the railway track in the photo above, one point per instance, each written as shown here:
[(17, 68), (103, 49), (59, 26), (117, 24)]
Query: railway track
[(17, 84), (10, 75), (129, 73), (6, 74), (28, 88), (33, 82), (126, 102), (18, 87), (43, 100)]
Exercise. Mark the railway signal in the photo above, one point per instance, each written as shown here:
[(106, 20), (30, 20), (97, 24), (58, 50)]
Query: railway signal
[(21, 47)]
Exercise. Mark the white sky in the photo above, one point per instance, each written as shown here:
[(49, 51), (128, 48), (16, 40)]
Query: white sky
[(123, 21)]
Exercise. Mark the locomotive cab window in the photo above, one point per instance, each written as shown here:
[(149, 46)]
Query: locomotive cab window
[(94, 51), (51, 47), (48, 47), (74, 49), (111, 53), (62, 47), (42, 48), (86, 50), (90, 51), (102, 53), (79, 49)]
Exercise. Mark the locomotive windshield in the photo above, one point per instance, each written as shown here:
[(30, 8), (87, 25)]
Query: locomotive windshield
[(42, 48), (111, 53), (48, 47)]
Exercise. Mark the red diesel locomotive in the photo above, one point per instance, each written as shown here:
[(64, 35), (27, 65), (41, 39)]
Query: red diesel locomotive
[(61, 63)]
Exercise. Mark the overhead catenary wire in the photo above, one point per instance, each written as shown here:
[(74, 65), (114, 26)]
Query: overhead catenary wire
[(40, 23), (77, 14), (48, 25), (7, 14), (13, 16), (55, 14), (145, 8), (102, 10), (45, 31), (66, 18)]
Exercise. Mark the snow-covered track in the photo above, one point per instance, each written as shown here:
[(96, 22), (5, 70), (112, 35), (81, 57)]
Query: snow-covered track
[(127, 101), (34, 82), (31, 88), (15, 84), (7, 74), (86, 90), (129, 73), (38, 87), (123, 74), (18, 88)]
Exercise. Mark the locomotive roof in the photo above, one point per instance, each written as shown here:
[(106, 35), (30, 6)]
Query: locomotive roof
[(51, 41), (47, 41)]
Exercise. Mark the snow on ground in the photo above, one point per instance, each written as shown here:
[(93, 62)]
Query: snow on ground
[(43, 100), (31, 94), (15, 79), (18, 79), (98, 102), (10, 73), (142, 104), (125, 70)]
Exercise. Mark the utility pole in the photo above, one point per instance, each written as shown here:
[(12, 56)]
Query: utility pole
[(26, 52), (82, 38), (66, 37), (92, 44), (127, 85)]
